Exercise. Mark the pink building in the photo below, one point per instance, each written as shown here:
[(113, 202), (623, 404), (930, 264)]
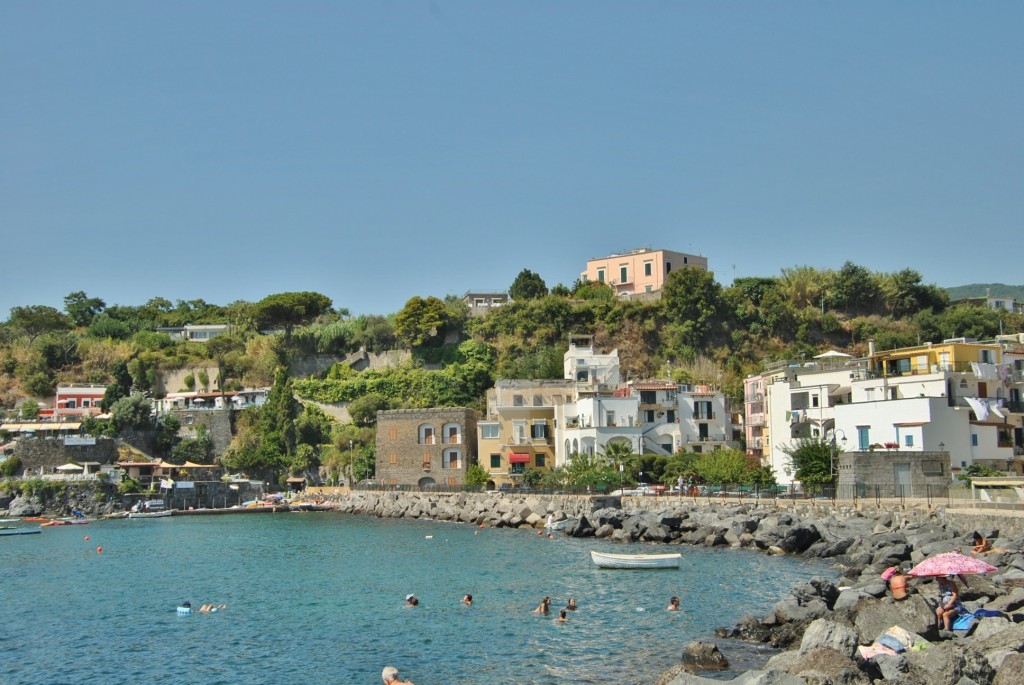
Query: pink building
[(639, 271), (78, 401)]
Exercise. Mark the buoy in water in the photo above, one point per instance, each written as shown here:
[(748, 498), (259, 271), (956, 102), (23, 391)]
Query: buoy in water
[(430, 537), (99, 550), (87, 538)]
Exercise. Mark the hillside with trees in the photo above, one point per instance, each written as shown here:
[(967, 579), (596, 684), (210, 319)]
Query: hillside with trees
[(698, 332)]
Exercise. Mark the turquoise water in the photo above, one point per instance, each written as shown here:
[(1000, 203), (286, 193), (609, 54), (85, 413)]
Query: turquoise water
[(318, 598)]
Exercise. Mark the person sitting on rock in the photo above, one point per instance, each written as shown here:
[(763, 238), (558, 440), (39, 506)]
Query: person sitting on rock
[(981, 544), (949, 603)]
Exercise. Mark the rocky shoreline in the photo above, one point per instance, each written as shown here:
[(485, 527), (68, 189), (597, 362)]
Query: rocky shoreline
[(821, 624)]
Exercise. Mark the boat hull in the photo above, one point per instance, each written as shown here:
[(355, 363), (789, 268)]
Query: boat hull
[(20, 531), (635, 561), (150, 514)]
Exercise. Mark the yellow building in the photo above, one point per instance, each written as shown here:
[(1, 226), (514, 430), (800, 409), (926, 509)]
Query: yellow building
[(517, 433)]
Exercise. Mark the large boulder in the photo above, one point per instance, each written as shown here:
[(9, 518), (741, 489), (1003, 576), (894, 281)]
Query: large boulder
[(20, 507), (799, 538), (946, 662), (703, 656), (874, 616), (824, 665), (824, 632)]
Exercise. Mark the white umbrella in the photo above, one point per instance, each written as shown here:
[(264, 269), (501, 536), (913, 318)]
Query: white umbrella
[(831, 354), (198, 400), (69, 467)]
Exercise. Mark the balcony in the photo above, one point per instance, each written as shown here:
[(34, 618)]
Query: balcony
[(755, 420)]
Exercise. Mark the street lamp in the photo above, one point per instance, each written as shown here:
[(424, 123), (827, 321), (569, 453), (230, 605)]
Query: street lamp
[(833, 452)]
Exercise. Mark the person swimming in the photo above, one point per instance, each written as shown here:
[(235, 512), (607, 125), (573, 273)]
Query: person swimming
[(673, 604), (468, 600), (544, 608), (411, 601), (571, 606)]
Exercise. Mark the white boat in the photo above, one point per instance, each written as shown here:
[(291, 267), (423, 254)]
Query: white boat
[(559, 525), (150, 514), (604, 560)]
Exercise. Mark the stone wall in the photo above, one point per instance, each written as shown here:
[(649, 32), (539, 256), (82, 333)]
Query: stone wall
[(42, 455), (218, 424)]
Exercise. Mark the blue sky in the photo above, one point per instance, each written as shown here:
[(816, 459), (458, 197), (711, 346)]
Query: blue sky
[(375, 151)]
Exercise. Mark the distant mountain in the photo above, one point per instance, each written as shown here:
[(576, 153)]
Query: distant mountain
[(961, 292)]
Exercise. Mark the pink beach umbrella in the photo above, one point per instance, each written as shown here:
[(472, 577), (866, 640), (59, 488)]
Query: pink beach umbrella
[(951, 564)]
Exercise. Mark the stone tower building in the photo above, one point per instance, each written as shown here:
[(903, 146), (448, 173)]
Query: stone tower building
[(425, 447)]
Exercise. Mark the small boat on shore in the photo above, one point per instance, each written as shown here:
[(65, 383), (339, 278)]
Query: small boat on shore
[(150, 514), (640, 561)]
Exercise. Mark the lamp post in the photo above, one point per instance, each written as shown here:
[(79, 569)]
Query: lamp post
[(834, 451)]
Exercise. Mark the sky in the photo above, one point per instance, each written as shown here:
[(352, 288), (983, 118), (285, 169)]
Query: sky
[(377, 151)]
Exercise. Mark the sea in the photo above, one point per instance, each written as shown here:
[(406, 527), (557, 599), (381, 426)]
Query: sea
[(319, 597)]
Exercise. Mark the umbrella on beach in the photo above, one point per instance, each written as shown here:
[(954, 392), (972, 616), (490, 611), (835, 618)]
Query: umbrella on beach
[(951, 564)]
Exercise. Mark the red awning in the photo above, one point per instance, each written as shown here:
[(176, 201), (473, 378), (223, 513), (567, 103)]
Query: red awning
[(518, 458)]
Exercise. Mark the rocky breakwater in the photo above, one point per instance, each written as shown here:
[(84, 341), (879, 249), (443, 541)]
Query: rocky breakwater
[(485, 509), (823, 624)]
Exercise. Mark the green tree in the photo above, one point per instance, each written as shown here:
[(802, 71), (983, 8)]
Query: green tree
[(197, 450), (527, 286), (35, 320), (363, 411), (167, 427), (29, 410), (421, 322), (288, 310), (476, 476), (130, 412), (723, 466), (854, 289), (82, 308), (812, 460), (691, 299)]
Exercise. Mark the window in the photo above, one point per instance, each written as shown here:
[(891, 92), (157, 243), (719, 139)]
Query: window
[(426, 461), (539, 459), (392, 434), (538, 400), (863, 437), (932, 468), (648, 289), (974, 439), (869, 394), (648, 416), (623, 275), (668, 266), (495, 461), (987, 357), (814, 400), (648, 397), (539, 430), (517, 468), (610, 417), (517, 400), (600, 275), (519, 433), (426, 435), (671, 416), (489, 431), (702, 410), (648, 269), (86, 403), (452, 459), (908, 440), (392, 458)]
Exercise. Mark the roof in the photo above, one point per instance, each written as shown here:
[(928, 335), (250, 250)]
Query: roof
[(655, 385)]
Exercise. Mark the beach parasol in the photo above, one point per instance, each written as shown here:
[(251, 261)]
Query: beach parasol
[(951, 564), (832, 354)]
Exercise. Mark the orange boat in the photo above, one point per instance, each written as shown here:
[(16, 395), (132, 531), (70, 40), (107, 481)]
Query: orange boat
[(35, 519), (53, 523)]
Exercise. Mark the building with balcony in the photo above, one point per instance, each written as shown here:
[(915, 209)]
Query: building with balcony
[(483, 302), (517, 431), (77, 401), (754, 414), (959, 397), (426, 447), (639, 272)]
